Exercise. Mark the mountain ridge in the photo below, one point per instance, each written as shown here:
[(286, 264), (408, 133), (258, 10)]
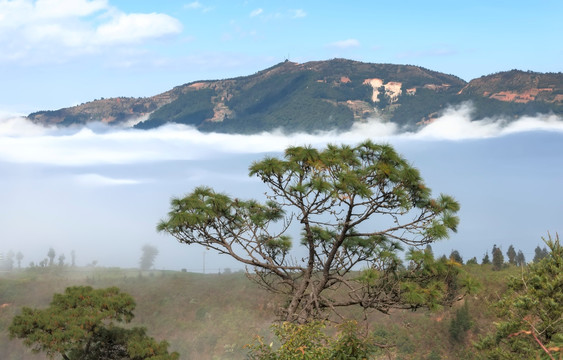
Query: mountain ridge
[(322, 95)]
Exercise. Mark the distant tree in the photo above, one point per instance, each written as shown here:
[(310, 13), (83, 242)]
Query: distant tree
[(498, 258), (61, 259), (148, 256), (455, 256), (73, 258), (334, 194), (486, 260), (472, 261), (531, 312), (51, 255), (19, 258), (520, 259), (79, 325), (460, 323), (540, 253), (511, 254), (428, 250), (383, 98)]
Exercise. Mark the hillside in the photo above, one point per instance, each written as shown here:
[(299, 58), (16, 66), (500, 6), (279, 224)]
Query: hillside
[(214, 316), (322, 95)]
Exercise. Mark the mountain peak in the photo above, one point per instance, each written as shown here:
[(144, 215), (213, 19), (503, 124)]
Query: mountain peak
[(321, 95)]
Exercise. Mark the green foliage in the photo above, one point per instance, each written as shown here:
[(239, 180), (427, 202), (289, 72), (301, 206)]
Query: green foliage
[(472, 261), (498, 258), (333, 193), (520, 259), (455, 256), (190, 108), (486, 260), (540, 254), (531, 312), (79, 325), (310, 341), (511, 254), (460, 324)]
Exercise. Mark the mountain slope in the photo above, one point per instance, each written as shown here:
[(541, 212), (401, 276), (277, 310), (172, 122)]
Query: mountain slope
[(322, 95)]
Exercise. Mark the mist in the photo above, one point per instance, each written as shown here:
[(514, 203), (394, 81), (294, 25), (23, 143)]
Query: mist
[(100, 190)]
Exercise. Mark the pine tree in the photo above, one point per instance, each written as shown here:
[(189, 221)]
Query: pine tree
[(531, 311), (498, 258), (81, 324), (539, 254), (520, 259), (51, 254), (455, 256), (511, 254), (486, 260)]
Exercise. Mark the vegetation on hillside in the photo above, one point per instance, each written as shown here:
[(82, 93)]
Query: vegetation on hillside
[(216, 316), (80, 325), (323, 95)]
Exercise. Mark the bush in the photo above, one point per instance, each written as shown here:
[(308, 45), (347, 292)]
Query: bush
[(310, 341)]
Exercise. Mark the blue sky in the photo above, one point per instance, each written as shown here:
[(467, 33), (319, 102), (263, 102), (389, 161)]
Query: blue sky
[(100, 191), (57, 53)]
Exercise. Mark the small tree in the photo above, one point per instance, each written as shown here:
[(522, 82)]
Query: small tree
[(61, 260), (486, 260), (78, 325), (148, 256), (520, 259), (73, 258), (455, 256), (511, 254), (472, 261), (19, 258), (51, 255), (335, 195), (460, 323), (498, 258), (540, 253), (531, 312)]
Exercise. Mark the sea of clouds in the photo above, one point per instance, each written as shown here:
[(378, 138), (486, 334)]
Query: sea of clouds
[(96, 144), (100, 190)]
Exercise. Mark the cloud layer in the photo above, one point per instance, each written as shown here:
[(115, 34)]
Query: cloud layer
[(24, 142), (54, 30)]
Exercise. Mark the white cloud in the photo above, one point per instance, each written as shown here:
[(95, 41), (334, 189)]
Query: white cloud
[(196, 5), (56, 9), (55, 30), (101, 180), (129, 28), (456, 124), (298, 13), (256, 12), (345, 44), (24, 142)]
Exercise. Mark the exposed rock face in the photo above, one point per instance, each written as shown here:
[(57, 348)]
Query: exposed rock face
[(317, 95)]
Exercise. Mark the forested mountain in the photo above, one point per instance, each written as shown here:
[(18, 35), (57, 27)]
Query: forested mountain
[(323, 95)]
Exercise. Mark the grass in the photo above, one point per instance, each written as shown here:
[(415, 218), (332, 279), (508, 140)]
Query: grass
[(214, 316)]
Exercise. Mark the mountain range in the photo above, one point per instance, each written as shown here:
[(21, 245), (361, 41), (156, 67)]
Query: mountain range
[(323, 95)]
